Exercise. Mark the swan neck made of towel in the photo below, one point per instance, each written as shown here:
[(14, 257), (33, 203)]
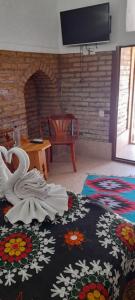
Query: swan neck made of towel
[(4, 171), (23, 167)]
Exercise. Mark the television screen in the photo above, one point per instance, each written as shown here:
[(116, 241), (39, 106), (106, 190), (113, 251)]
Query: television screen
[(86, 25)]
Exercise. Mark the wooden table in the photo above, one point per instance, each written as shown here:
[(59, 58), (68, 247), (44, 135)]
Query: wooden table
[(37, 154)]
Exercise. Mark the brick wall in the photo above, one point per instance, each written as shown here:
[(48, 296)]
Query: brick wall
[(41, 99), (56, 83), (31, 104), (20, 72), (86, 89), (124, 90)]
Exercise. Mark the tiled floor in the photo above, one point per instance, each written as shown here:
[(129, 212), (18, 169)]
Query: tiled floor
[(62, 173)]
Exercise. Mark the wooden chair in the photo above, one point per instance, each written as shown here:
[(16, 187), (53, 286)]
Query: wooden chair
[(6, 137), (63, 130)]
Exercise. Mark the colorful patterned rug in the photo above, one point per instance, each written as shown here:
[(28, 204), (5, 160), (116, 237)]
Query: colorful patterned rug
[(117, 193)]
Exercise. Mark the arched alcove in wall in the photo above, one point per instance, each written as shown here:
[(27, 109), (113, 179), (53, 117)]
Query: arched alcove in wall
[(40, 96)]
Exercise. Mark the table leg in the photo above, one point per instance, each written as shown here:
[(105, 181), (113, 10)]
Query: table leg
[(38, 161), (48, 157), (45, 166)]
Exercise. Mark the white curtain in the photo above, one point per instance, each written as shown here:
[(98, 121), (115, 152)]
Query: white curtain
[(130, 15)]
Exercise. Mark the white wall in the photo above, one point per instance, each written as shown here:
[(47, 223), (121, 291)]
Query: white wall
[(29, 25), (119, 36), (34, 25), (130, 20)]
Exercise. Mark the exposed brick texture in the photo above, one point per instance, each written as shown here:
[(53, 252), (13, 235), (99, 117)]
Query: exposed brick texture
[(86, 89), (26, 80), (34, 85), (32, 103), (124, 90)]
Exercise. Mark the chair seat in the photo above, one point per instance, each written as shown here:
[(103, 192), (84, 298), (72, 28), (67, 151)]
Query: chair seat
[(62, 141), (63, 130)]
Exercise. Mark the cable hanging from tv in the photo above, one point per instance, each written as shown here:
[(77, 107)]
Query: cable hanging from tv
[(87, 50), (91, 49)]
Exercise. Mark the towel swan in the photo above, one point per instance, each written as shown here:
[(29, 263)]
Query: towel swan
[(20, 175), (30, 195)]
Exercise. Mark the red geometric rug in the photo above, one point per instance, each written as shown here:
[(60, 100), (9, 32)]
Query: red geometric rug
[(117, 193)]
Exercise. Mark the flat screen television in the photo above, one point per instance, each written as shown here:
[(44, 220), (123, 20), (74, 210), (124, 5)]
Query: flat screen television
[(86, 25)]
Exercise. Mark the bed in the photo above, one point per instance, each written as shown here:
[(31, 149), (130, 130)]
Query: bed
[(88, 254)]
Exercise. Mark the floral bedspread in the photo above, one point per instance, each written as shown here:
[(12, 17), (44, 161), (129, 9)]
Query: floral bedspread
[(88, 254)]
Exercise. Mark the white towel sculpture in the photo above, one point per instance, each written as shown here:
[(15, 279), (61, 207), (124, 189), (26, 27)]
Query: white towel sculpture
[(28, 192)]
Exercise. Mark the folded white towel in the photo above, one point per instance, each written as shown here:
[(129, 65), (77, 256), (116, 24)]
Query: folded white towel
[(30, 195), (32, 208)]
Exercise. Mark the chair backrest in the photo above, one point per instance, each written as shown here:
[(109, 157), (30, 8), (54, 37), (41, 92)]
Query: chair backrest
[(6, 137), (62, 125)]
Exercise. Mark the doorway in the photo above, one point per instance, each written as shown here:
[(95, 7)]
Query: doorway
[(125, 130)]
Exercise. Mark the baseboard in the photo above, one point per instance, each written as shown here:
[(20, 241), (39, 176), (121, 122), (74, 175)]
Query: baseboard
[(94, 149), (86, 148)]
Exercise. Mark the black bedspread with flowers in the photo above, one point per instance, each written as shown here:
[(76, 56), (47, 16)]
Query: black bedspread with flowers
[(88, 254)]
